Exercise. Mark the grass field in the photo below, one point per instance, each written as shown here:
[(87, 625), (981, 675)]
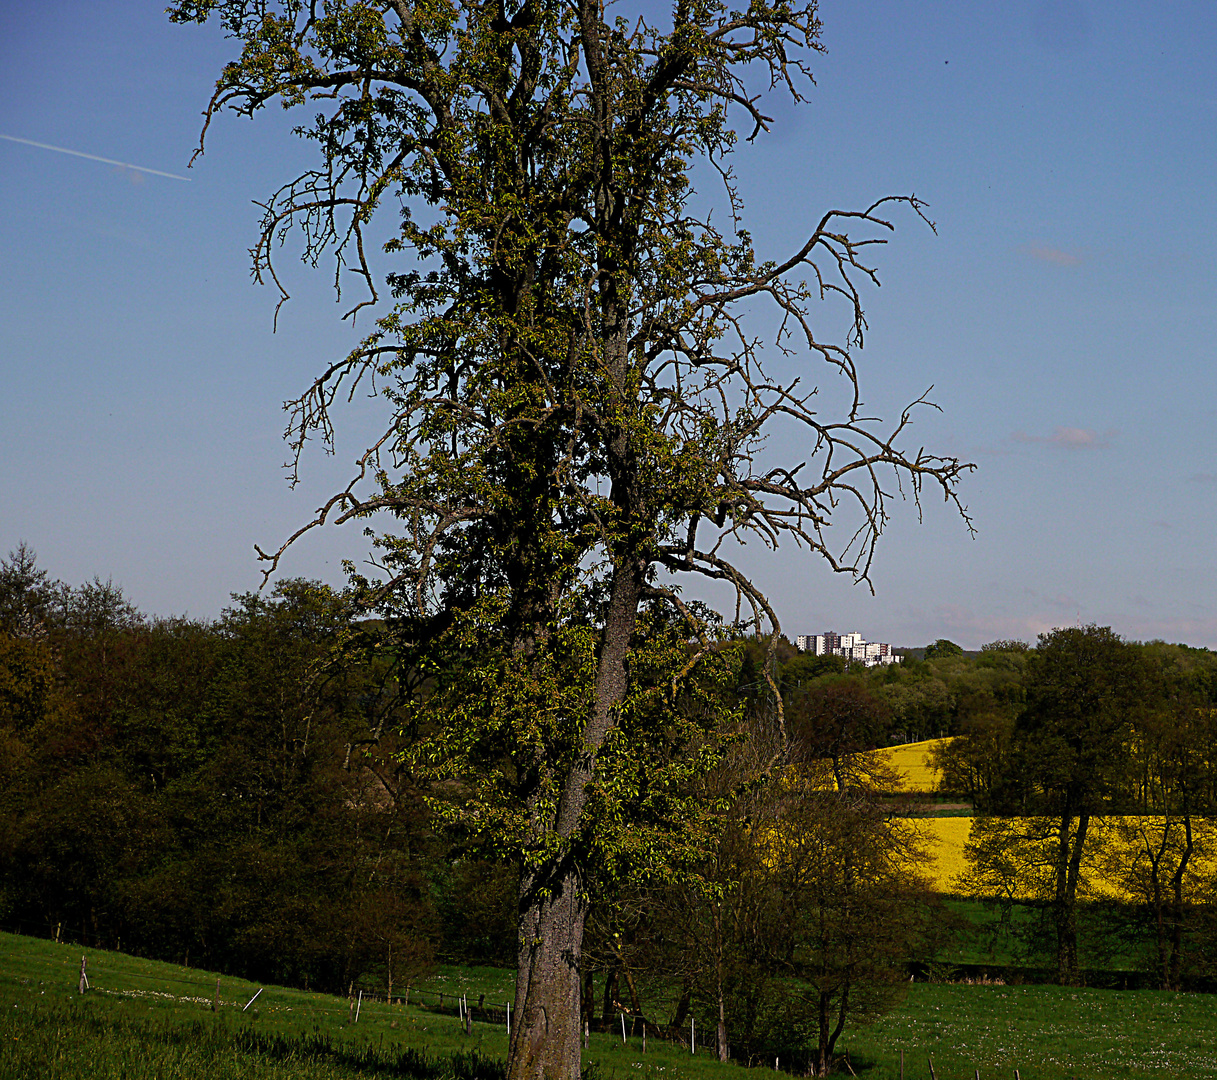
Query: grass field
[(144, 1020), (1047, 1032)]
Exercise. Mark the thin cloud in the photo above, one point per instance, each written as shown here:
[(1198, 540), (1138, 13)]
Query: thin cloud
[(1070, 438), (1055, 256), (94, 157)]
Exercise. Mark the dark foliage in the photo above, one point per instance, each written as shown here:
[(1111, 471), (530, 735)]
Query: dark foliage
[(197, 792)]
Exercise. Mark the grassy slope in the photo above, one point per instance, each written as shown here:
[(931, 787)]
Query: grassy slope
[(145, 1019)]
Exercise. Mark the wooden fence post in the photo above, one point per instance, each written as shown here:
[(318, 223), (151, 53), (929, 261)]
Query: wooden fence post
[(84, 979)]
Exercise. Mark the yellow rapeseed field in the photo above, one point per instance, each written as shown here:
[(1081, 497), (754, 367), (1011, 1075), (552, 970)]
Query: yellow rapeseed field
[(945, 839), (913, 760)]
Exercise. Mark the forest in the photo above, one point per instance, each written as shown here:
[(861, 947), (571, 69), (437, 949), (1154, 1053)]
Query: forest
[(240, 795)]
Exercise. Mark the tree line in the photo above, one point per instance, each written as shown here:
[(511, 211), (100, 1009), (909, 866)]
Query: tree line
[(1090, 764), (183, 789), (1103, 771), (245, 794)]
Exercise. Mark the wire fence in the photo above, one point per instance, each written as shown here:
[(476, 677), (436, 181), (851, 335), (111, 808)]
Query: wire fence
[(217, 990)]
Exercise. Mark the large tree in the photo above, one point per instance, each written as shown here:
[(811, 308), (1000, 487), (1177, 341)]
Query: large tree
[(570, 355)]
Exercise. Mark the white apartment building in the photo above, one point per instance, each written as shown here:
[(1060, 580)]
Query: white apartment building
[(854, 648)]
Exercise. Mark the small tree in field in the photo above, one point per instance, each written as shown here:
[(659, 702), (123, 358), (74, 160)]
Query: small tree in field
[(577, 404)]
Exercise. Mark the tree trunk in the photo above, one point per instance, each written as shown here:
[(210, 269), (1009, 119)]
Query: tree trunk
[(1176, 956), (610, 995), (1158, 904), (545, 1040), (682, 1009), (589, 997), (822, 1049), (1068, 869), (719, 947), (635, 1003), (842, 1015), (724, 1051), (546, 1028)]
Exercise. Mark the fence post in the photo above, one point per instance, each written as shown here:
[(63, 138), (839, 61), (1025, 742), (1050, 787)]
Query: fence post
[(692, 1036), (84, 979), (509, 1019)]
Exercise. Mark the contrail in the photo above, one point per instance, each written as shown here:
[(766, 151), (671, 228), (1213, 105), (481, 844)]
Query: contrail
[(94, 157)]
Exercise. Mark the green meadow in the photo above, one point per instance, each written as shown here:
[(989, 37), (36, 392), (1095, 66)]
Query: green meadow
[(144, 1020)]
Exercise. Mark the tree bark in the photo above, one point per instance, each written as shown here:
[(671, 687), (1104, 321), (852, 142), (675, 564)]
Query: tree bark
[(1070, 844), (610, 995), (545, 1038), (724, 1051), (545, 1041), (822, 1050), (1176, 955)]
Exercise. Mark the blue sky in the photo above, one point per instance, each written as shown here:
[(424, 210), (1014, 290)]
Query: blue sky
[(1065, 313)]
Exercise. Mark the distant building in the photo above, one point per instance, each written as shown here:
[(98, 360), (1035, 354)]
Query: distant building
[(854, 648)]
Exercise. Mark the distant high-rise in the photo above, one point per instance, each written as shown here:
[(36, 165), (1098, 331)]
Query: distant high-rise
[(852, 647)]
